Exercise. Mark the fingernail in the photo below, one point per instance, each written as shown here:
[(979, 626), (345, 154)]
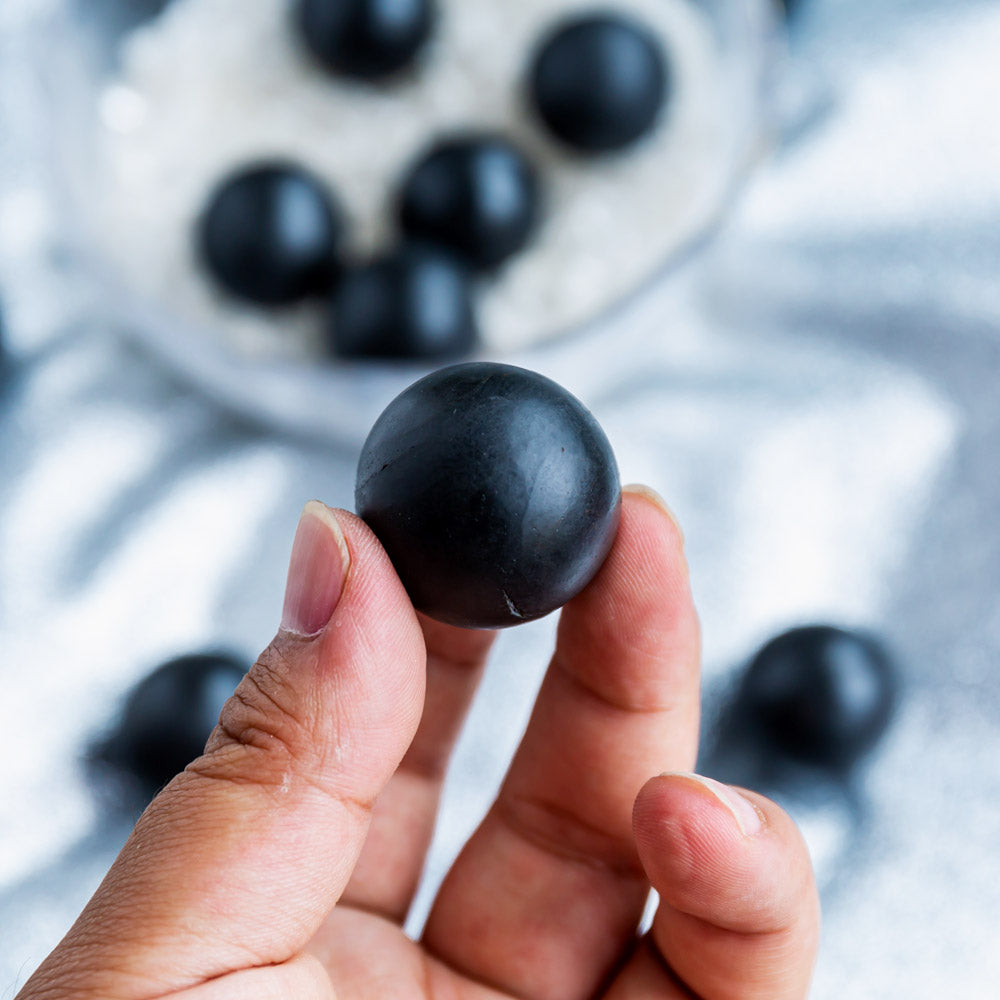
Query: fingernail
[(641, 490), (747, 817), (316, 571)]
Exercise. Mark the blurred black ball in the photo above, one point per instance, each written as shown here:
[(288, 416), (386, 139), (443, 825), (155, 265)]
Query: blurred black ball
[(414, 302), (169, 715), (365, 38), (271, 233), (476, 194), (599, 82), (820, 694)]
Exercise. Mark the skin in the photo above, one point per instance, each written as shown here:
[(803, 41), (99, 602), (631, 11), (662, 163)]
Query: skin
[(281, 864)]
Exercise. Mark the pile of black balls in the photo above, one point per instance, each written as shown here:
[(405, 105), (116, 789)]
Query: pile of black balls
[(273, 234)]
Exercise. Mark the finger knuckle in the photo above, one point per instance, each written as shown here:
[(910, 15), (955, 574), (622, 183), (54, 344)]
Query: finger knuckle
[(264, 730), (564, 833)]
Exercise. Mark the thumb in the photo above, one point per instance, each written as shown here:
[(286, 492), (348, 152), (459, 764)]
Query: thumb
[(236, 863)]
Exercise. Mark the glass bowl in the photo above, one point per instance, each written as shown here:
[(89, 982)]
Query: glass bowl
[(151, 104)]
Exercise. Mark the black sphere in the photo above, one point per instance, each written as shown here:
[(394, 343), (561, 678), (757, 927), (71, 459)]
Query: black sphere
[(115, 17), (494, 491), (476, 194), (170, 714), (415, 302), (366, 39), (820, 694), (271, 234), (599, 82)]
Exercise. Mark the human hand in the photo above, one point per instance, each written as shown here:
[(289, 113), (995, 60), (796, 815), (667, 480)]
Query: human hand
[(281, 864)]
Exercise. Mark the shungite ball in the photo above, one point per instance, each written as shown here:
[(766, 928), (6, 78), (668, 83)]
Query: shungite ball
[(169, 715), (493, 490), (415, 302), (820, 694), (476, 194), (599, 82), (366, 39), (271, 233), (118, 16)]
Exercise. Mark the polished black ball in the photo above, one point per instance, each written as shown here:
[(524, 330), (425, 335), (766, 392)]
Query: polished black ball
[(367, 39), (271, 233), (494, 491), (820, 694), (170, 714), (599, 82), (476, 194), (415, 302)]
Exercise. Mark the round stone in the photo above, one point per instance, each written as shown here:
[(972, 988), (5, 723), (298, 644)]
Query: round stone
[(820, 693), (476, 194), (169, 715), (271, 234), (415, 302), (494, 491), (599, 82), (367, 39)]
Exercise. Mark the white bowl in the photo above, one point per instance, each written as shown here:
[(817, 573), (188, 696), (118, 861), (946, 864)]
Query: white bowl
[(147, 120)]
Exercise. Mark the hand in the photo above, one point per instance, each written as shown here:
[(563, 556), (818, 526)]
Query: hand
[(280, 865)]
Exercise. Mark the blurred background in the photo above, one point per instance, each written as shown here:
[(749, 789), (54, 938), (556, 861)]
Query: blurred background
[(780, 302)]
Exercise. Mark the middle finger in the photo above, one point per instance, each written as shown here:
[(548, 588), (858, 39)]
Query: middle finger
[(549, 890)]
